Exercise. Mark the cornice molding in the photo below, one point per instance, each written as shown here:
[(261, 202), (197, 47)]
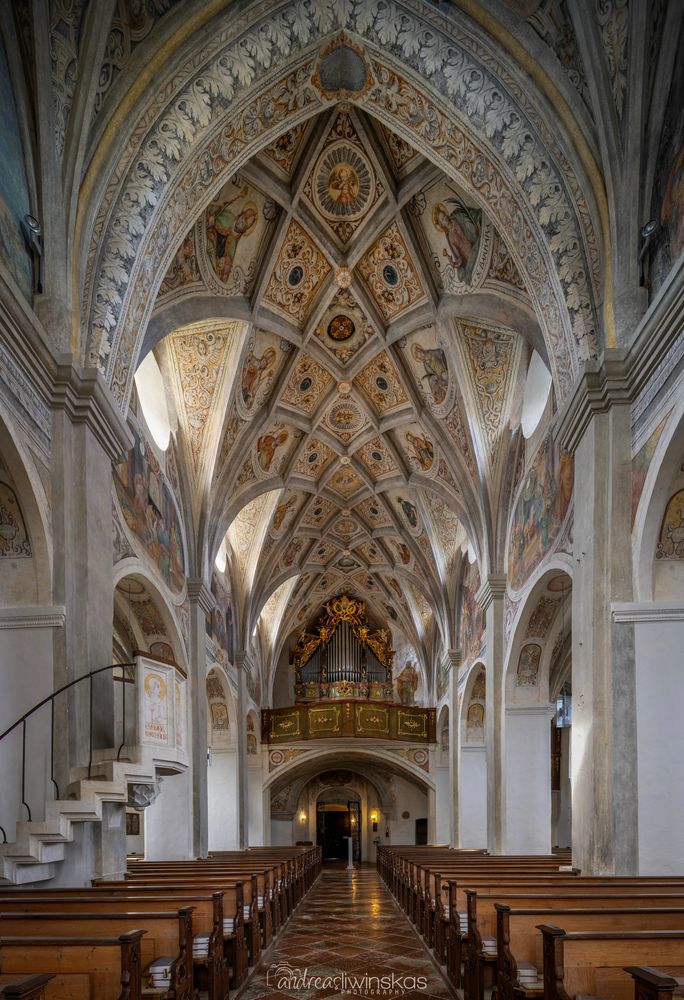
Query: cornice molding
[(494, 588), (627, 612), (618, 376), (32, 617), (84, 396), (199, 593)]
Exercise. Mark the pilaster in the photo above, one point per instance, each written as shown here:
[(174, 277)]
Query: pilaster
[(595, 427), (202, 603), (88, 434), (490, 597), (242, 798), (453, 658)]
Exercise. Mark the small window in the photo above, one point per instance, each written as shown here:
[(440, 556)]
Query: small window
[(537, 388), (152, 395)]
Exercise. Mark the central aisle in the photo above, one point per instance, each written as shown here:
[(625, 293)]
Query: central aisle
[(347, 928)]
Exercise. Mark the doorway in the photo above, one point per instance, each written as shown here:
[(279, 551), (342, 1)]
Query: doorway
[(334, 823)]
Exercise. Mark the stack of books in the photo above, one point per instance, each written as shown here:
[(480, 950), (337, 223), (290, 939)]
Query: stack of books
[(527, 974), (489, 947), (158, 973), (200, 946)]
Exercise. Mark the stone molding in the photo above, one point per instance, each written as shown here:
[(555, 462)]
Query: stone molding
[(620, 375), (544, 710), (626, 612), (199, 593), (32, 617), (494, 588), (84, 396)]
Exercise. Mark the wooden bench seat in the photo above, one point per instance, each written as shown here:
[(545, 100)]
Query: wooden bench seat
[(26, 988), (518, 937), (581, 963), (167, 933), (207, 919), (82, 968)]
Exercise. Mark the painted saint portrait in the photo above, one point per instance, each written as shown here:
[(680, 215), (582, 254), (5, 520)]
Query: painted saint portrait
[(227, 222), (436, 372), (343, 184), (475, 722), (422, 450), (671, 540), (462, 230), (150, 512), (219, 716), (257, 373), (267, 446), (156, 708), (528, 665), (543, 501), (409, 510)]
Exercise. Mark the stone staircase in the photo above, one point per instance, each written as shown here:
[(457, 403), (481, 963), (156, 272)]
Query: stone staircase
[(41, 844)]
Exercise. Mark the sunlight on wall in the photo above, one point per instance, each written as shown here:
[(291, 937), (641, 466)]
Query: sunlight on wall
[(537, 388), (152, 394)]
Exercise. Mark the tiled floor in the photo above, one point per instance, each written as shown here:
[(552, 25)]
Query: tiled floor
[(345, 933)]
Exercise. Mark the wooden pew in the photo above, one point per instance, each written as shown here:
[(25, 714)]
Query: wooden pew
[(26, 988), (167, 933), (88, 968), (518, 936), (651, 984), (207, 918), (594, 964)]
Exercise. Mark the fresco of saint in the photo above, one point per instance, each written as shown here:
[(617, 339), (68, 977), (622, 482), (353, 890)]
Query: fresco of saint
[(267, 445), (462, 228), (422, 450), (255, 372), (436, 374), (226, 225)]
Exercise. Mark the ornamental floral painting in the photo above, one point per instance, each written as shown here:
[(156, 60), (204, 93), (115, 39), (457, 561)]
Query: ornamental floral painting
[(543, 501), (150, 511)]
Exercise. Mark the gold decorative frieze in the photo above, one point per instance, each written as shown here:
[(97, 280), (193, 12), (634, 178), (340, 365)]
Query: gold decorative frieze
[(348, 719)]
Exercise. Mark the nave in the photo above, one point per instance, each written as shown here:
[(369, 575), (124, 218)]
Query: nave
[(348, 938)]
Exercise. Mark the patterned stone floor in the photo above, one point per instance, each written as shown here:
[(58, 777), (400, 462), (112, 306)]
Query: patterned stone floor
[(347, 939)]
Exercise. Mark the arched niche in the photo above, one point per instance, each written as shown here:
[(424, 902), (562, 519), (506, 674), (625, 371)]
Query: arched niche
[(145, 619)]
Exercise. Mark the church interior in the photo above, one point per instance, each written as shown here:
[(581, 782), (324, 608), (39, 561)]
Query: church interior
[(341, 499)]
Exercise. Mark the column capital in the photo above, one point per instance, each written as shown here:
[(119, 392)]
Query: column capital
[(243, 660), (84, 396), (452, 659), (604, 383), (199, 594), (494, 588)]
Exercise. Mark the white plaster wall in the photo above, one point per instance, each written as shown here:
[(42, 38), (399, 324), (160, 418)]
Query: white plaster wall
[(528, 781), (222, 800), (442, 805), (26, 677), (660, 746), (281, 833), (408, 798), (473, 797), (255, 802), (168, 821), (562, 800)]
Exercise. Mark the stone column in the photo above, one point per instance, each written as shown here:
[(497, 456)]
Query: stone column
[(454, 658), (490, 597), (88, 434), (431, 816), (595, 427), (202, 603), (242, 797)]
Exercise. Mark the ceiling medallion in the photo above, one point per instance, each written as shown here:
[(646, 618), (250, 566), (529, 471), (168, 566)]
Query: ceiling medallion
[(344, 186), (344, 388), (345, 416), (341, 328), (343, 277)]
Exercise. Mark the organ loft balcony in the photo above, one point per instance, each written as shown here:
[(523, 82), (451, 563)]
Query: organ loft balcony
[(343, 684)]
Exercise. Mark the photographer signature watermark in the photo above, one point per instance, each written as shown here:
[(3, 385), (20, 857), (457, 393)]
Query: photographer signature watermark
[(282, 976)]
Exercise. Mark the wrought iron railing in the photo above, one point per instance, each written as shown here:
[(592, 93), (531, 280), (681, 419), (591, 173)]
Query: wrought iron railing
[(51, 701)]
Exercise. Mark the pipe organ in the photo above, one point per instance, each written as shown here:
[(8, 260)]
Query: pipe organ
[(342, 658)]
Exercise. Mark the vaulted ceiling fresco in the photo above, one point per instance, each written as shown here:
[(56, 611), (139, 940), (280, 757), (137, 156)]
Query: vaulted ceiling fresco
[(352, 422)]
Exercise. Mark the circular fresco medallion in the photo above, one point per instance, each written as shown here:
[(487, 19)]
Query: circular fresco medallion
[(341, 327), (390, 275), (343, 183), (345, 416), (345, 526)]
